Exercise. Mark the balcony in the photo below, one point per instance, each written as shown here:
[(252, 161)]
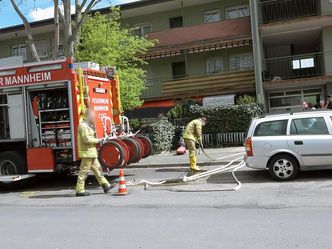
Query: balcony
[(153, 89), (200, 35), (44, 54), (273, 11), (200, 85), (228, 82), (294, 67)]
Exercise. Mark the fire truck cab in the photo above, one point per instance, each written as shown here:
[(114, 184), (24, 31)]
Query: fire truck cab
[(41, 105)]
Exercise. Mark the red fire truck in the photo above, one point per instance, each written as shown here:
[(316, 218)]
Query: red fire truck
[(41, 105)]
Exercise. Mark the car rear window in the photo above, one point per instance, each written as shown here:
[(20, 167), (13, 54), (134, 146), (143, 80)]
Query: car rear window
[(271, 128), (309, 126)]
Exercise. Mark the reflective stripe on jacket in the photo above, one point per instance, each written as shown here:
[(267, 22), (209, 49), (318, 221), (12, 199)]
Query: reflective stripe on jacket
[(87, 141), (193, 131)]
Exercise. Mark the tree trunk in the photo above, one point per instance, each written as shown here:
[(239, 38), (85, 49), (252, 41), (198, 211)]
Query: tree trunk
[(69, 44), (56, 29), (80, 16), (28, 31)]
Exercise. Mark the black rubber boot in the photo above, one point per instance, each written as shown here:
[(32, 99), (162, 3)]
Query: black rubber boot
[(106, 187), (82, 194)]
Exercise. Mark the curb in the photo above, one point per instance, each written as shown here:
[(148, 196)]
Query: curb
[(178, 165)]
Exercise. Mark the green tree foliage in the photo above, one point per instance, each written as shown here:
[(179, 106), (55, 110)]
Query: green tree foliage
[(104, 41)]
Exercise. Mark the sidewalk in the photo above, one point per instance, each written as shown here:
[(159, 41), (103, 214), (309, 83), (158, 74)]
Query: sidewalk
[(169, 159)]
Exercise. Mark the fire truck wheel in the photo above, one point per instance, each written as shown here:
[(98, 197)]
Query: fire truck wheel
[(141, 148), (111, 155), (13, 163), (148, 147), (134, 149)]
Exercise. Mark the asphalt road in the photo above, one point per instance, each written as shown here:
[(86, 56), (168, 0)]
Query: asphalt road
[(262, 214), (153, 228)]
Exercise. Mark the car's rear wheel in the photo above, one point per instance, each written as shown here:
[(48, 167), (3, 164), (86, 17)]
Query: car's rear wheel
[(283, 167)]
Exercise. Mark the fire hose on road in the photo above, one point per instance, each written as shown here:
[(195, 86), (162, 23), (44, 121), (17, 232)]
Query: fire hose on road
[(235, 164)]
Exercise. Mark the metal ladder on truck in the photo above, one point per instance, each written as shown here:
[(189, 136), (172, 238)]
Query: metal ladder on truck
[(83, 95)]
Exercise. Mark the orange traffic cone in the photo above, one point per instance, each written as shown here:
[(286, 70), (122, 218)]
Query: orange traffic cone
[(122, 190)]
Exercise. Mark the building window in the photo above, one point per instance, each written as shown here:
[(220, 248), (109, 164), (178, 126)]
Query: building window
[(214, 65), (42, 48), (61, 49), (179, 70), (241, 61), (292, 100), (20, 50), (237, 12), (176, 22), (142, 29), (212, 16), (303, 63)]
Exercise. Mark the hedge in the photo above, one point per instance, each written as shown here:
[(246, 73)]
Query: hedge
[(223, 119)]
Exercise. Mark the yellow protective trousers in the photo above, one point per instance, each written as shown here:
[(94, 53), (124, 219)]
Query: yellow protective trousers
[(88, 164), (191, 146)]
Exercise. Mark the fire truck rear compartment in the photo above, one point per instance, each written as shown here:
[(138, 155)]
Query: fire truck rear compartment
[(41, 127), (50, 128)]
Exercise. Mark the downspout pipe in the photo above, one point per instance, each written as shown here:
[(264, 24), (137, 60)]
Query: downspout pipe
[(257, 51)]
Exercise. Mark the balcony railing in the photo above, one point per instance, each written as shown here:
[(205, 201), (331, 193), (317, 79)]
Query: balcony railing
[(279, 10), (44, 54), (231, 81), (153, 89), (203, 33), (200, 85), (293, 67)]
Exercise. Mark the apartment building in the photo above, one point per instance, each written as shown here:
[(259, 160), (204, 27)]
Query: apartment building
[(296, 49), (216, 50), (204, 50)]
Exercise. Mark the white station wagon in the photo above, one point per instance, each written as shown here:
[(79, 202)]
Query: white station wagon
[(287, 143)]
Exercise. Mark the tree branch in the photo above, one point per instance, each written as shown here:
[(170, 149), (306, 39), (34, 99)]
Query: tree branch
[(28, 31), (80, 17)]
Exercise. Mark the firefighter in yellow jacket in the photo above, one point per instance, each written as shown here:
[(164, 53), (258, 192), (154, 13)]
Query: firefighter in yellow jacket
[(88, 153), (193, 135)]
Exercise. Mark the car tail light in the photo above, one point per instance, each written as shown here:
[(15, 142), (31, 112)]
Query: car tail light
[(248, 145)]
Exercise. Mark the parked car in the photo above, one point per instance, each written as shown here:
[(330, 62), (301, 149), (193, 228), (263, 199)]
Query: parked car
[(284, 144)]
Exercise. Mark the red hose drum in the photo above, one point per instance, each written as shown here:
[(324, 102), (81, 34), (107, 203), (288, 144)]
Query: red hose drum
[(141, 146), (111, 155), (147, 144), (126, 152), (134, 149)]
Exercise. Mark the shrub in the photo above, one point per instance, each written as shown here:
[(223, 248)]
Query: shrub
[(222, 119), (177, 135), (135, 124), (246, 100), (162, 134), (181, 110)]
